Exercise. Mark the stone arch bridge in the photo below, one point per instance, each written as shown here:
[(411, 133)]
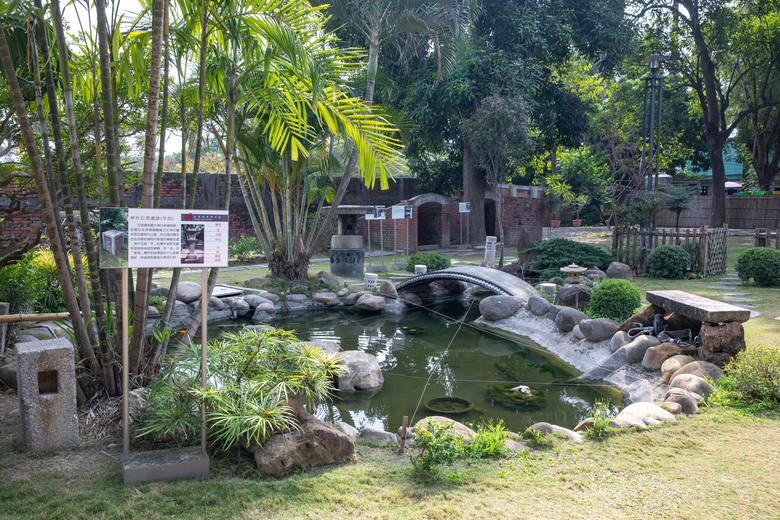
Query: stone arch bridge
[(493, 280)]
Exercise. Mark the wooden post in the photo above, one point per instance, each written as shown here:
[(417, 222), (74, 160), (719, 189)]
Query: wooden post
[(403, 434)]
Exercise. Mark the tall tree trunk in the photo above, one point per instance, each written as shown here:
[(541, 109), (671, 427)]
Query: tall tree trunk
[(474, 186), (113, 163), (147, 183), (47, 208)]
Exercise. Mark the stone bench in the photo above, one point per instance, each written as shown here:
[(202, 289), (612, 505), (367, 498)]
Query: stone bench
[(721, 334), (698, 307)]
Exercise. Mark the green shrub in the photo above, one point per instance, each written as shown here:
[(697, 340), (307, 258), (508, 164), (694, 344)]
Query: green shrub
[(433, 261), (158, 302), (488, 441), (755, 373), (601, 420), (245, 248), (668, 261), (559, 252), (762, 264), (614, 299), (440, 445)]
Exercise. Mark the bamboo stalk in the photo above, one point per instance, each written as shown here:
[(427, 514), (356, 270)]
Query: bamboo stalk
[(13, 318)]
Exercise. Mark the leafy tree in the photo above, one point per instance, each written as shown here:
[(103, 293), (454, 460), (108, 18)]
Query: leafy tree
[(678, 198), (712, 45)]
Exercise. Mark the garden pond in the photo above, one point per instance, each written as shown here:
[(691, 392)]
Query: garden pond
[(426, 355)]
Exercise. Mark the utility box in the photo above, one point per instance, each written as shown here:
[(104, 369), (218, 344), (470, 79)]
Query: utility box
[(46, 378)]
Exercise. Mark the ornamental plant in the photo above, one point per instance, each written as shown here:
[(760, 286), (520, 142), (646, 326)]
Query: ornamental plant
[(614, 299), (668, 261), (755, 373), (553, 254), (251, 376), (433, 261), (762, 264)]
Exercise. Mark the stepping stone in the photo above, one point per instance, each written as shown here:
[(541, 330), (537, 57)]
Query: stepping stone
[(754, 314), (746, 306), (734, 294), (737, 299), (778, 318), (721, 287)]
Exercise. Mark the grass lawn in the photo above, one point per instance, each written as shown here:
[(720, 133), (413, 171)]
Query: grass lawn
[(712, 465)]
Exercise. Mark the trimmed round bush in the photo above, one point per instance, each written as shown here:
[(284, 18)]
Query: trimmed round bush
[(614, 299), (762, 264), (668, 261), (433, 261)]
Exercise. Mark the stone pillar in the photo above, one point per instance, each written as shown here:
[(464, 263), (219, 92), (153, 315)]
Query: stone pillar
[(347, 256), (46, 377)]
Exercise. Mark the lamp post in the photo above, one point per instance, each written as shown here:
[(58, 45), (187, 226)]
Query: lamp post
[(651, 131)]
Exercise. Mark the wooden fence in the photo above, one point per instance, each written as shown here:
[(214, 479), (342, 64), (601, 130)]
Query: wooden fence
[(742, 212), (706, 246), (764, 236)]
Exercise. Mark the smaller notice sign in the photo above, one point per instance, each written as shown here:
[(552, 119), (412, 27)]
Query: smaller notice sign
[(141, 237), (398, 212), (464, 207), (378, 214)]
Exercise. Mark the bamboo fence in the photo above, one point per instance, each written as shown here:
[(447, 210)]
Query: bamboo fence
[(706, 246)]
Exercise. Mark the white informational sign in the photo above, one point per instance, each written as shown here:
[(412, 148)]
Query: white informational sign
[(378, 214), (398, 212), (464, 207), (139, 237)]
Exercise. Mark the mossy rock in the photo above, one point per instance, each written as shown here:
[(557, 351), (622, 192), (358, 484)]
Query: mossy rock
[(503, 395)]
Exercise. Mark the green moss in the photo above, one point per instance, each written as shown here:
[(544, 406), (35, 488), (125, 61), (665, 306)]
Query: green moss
[(505, 396)]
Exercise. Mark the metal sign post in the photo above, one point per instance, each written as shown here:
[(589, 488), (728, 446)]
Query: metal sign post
[(407, 217), (397, 213)]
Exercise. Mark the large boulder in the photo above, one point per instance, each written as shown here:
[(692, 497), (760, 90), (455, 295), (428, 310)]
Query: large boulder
[(672, 365), (619, 270), (702, 369), (498, 307), (642, 414), (720, 359), (351, 299), (576, 295), (687, 402), (655, 356), (326, 345), (152, 313), (693, 384), (347, 429), (461, 430), (328, 299), (546, 428), (567, 318), (370, 302), (388, 290), (328, 279), (600, 329), (238, 305), (8, 375), (412, 299), (180, 309), (619, 339), (538, 305), (723, 337), (378, 436), (362, 372), (314, 443), (254, 300), (635, 351), (188, 292)]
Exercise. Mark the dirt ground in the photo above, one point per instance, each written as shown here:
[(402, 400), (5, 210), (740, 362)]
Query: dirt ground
[(100, 443)]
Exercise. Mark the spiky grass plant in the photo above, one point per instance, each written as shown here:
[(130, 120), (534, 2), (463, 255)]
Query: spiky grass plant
[(251, 376)]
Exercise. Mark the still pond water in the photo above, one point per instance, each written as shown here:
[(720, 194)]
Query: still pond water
[(424, 354)]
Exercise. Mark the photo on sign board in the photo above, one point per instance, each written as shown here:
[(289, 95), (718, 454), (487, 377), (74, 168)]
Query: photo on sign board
[(113, 238), (379, 212), (192, 243)]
